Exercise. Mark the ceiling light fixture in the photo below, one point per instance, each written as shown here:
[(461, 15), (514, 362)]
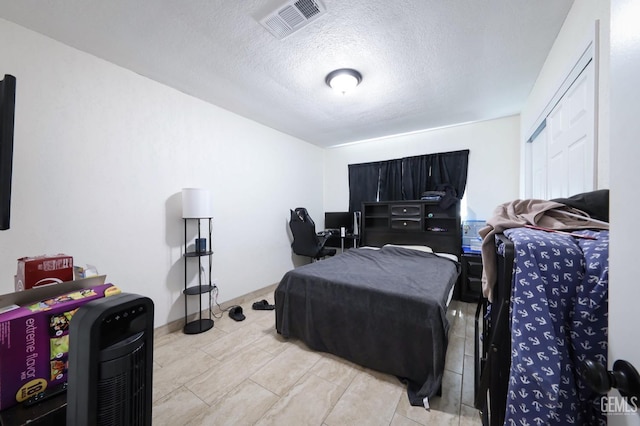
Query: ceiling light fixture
[(343, 79)]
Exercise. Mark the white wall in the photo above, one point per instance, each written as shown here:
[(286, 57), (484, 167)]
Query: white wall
[(490, 143), (574, 36), (624, 291), (100, 157)]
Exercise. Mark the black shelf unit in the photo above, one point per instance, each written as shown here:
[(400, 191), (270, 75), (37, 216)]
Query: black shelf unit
[(413, 222), (202, 323)]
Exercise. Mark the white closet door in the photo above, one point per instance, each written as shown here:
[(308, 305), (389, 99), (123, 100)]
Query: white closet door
[(570, 139)]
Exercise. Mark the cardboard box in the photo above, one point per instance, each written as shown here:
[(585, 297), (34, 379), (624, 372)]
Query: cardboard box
[(34, 336), (43, 270)]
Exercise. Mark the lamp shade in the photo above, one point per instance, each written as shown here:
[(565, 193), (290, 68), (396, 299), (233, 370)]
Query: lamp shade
[(196, 202)]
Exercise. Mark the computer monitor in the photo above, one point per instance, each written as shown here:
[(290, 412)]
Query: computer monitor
[(337, 220)]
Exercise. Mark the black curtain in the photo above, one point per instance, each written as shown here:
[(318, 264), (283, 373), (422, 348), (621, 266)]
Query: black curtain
[(450, 168), (416, 173), (390, 186), (377, 181), (433, 171), (363, 184), (407, 178)]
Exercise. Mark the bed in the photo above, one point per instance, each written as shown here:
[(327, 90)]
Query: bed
[(384, 309), (548, 315)]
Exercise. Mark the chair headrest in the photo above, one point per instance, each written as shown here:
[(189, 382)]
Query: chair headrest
[(300, 213)]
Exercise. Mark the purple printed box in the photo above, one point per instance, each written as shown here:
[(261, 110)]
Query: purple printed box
[(34, 342)]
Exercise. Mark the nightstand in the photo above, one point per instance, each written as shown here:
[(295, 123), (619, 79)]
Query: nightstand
[(471, 277)]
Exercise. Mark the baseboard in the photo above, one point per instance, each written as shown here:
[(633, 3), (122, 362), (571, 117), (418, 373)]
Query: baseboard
[(179, 323)]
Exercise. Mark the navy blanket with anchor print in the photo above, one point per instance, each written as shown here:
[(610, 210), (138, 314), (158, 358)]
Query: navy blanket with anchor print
[(559, 306)]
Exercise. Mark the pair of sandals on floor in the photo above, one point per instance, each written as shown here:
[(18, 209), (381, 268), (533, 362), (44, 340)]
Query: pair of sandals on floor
[(235, 312)]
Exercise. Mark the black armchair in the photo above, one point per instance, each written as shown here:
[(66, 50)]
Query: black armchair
[(306, 242)]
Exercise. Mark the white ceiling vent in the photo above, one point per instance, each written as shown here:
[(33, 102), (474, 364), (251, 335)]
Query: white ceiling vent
[(291, 16)]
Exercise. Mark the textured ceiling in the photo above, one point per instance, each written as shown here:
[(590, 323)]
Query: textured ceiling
[(425, 63)]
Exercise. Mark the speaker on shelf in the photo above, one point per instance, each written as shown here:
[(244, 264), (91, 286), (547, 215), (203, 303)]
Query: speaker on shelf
[(111, 362)]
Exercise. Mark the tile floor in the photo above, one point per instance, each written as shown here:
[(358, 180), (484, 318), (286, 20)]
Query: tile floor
[(244, 373)]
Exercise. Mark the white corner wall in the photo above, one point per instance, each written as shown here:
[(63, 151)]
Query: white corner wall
[(577, 30), (101, 155), (492, 176)]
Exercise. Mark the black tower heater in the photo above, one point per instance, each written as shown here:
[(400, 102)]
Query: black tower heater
[(111, 362)]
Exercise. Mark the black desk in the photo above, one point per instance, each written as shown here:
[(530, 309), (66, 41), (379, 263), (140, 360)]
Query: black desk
[(52, 411), (346, 242)]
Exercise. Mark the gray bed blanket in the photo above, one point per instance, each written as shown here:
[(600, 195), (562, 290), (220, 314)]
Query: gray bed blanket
[(382, 309)]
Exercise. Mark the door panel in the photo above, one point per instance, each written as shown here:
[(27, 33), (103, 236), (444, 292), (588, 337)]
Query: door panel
[(569, 143), (539, 166), (556, 175), (578, 99), (578, 173)]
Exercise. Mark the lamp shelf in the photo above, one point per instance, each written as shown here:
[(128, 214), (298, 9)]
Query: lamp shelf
[(198, 289), (198, 326), (204, 285), (198, 253)]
